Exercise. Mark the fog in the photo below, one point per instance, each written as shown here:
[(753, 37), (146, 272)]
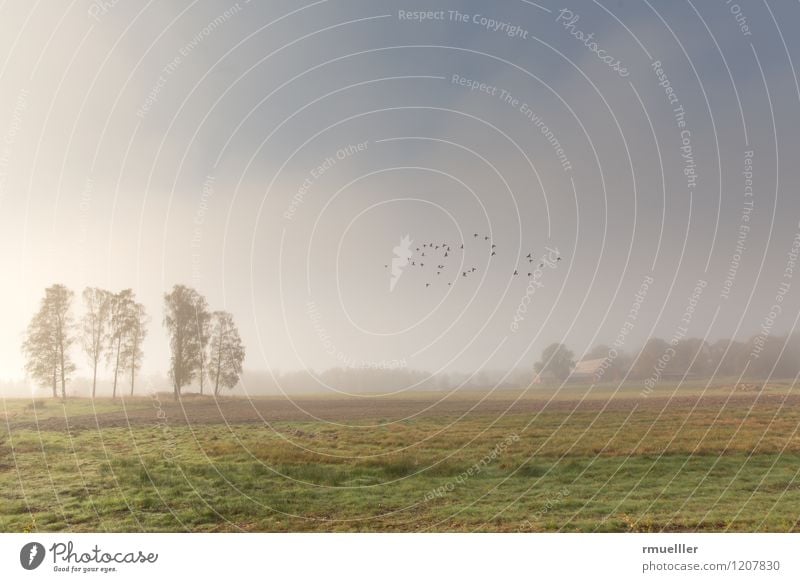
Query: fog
[(276, 157)]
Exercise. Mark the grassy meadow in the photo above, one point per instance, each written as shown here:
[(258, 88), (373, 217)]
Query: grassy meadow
[(687, 458)]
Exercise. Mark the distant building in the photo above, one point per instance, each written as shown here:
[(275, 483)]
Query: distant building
[(587, 371)]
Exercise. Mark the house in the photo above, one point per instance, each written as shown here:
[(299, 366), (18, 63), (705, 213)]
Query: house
[(588, 370)]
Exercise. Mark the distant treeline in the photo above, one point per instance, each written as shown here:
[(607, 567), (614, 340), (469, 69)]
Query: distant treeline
[(763, 356), (206, 349), (205, 345)]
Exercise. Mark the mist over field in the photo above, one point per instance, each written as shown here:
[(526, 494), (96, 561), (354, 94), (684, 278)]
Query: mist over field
[(377, 266), (274, 156)]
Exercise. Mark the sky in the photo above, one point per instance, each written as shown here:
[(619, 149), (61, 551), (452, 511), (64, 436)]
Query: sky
[(273, 155)]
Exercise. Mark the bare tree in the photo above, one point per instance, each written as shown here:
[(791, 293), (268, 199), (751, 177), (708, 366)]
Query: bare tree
[(181, 320), (97, 303), (48, 339), (122, 305), (227, 351), (132, 353)]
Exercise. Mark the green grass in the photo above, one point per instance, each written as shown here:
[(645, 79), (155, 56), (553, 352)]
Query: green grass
[(673, 469)]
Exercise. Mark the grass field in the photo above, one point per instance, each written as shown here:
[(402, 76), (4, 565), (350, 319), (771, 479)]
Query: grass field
[(680, 459)]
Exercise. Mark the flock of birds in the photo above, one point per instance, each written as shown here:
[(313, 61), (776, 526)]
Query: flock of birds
[(434, 258)]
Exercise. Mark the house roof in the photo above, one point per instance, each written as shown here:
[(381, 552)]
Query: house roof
[(588, 367)]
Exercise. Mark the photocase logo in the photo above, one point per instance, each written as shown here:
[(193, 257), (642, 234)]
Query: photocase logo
[(31, 555), (402, 253)]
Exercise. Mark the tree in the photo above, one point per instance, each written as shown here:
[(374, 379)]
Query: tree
[(692, 356), (97, 303), (557, 360), (648, 358), (729, 357), (48, 339), (121, 320), (132, 353), (227, 351), (181, 320)]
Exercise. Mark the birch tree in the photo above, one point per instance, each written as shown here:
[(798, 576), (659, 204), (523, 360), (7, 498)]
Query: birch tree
[(48, 340)]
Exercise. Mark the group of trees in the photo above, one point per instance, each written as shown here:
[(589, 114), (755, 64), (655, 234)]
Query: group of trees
[(760, 357), (112, 330), (203, 344)]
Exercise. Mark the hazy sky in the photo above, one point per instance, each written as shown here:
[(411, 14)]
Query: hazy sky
[(186, 142)]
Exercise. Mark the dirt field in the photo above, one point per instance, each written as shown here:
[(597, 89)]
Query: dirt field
[(370, 410)]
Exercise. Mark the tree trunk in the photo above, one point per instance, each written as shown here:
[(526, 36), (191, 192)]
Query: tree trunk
[(219, 369), (116, 368), (94, 379), (55, 381), (133, 372), (63, 375)]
